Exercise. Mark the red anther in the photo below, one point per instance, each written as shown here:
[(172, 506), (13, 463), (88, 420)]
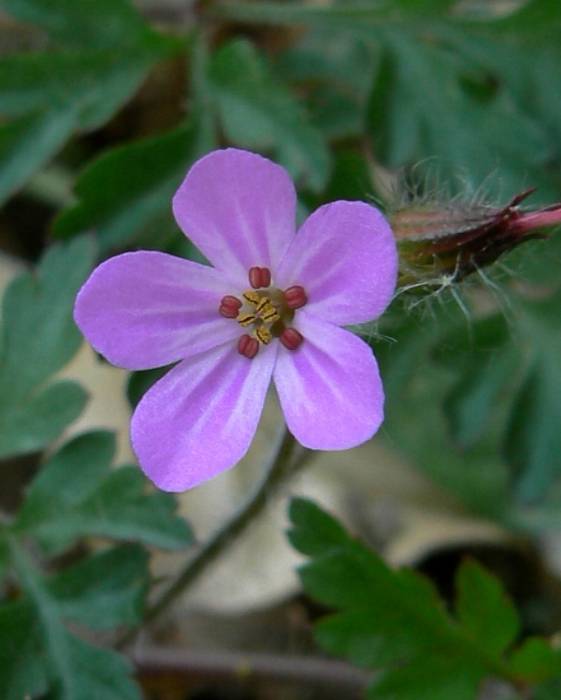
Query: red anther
[(248, 346), (259, 277), (295, 297), (229, 306), (291, 338)]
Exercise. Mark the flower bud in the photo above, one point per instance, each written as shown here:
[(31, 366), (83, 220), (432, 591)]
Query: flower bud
[(458, 238)]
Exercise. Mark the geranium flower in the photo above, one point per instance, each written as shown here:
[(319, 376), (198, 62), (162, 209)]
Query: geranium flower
[(270, 307)]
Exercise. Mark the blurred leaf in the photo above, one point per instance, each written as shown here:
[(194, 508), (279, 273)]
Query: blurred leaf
[(444, 121), (536, 660), (256, 111), (79, 88), (484, 356), (126, 188), (77, 493), (28, 142), (416, 424), (38, 338), (334, 72), (549, 691), (51, 655), (533, 438), (78, 24), (348, 15), (91, 84), (23, 673), (448, 86), (105, 590), (3, 557), (394, 622)]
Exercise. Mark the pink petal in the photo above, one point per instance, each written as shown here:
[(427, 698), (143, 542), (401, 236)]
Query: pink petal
[(345, 257), (239, 209), (148, 309), (330, 389), (201, 417)]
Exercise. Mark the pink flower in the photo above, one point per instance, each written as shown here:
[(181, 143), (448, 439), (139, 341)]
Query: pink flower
[(270, 307)]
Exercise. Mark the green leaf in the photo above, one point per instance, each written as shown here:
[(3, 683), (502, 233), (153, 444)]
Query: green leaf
[(78, 24), (38, 337), (394, 622), (47, 653), (313, 531), (348, 15), (77, 493), (105, 590), (79, 88), (536, 660), (533, 438), (37, 420), (125, 189), (549, 691), (485, 353), (29, 142), (22, 669), (259, 113), (449, 124), (484, 610), (431, 678)]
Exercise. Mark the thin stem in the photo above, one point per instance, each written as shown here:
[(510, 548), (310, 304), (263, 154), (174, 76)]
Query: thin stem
[(274, 473), (218, 665)]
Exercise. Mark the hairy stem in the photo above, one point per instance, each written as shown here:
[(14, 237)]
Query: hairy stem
[(278, 467)]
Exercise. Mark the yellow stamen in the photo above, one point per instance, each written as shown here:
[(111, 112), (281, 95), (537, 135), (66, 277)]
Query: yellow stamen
[(270, 314), (263, 334), (252, 297), (246, 319)]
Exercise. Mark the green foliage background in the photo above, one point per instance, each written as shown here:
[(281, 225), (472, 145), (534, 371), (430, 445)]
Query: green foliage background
[(344, 95)]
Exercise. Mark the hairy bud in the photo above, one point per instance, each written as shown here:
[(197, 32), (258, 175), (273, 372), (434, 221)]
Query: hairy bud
[(458, 238)]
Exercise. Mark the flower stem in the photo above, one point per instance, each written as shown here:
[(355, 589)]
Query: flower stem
[(278, 467)]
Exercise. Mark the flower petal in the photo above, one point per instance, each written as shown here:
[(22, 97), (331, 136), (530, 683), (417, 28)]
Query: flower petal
[(330, 389), (345, 257), (201, 417), (239, 209), (148, 309)]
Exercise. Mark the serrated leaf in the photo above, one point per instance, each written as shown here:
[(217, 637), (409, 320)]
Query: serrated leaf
[(484, 610), (77, 493), (38, 338), (394, 622), (259, 113), (125, 189)]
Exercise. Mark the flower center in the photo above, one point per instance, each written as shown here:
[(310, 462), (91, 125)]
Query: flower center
[(266, 312)]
